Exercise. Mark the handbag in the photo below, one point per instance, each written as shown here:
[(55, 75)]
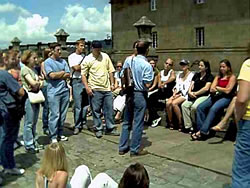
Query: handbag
[(36, 97)]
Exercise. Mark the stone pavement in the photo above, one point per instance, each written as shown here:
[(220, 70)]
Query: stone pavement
[(174, 161)]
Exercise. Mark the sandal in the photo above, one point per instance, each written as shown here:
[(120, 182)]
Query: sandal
[(171, 126), (180, 128), (195, 137), (219, 129)]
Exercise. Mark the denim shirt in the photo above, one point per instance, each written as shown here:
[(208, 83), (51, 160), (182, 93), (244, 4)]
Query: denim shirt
[(8, 86), (142, 71)]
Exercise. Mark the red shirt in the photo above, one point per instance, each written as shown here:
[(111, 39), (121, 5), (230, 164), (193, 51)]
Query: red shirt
[(223, 83)]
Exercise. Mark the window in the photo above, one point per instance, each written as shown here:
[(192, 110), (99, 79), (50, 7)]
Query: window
[(152, 5), (199, 1), (200, 36), (154, 40)]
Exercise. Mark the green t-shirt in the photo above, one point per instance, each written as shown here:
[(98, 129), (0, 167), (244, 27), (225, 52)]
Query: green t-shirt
[(25, 71)]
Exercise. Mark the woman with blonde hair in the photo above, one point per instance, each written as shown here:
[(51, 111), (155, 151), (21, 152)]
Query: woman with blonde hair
[(54, 169), (54, 172), (180, 94), (31, 82)]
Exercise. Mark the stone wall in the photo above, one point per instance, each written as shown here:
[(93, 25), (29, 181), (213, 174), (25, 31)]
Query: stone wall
[(226, 24)]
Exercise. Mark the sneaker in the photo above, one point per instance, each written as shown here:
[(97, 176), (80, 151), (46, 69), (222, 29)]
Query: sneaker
[(84, 127), (140, 153), (113, 132), (63, 138), (46, 132), (54, 140), (39, 146), (124, 152), (32, 150), (76, 131), (156, 122), (14, 171), (98, 134)]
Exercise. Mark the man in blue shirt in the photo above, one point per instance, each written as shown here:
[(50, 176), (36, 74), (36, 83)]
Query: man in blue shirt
[(134, 117), (10, 92), (58, 72)]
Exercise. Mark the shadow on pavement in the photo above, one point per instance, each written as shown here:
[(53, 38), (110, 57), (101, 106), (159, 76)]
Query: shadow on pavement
[(23, 160)]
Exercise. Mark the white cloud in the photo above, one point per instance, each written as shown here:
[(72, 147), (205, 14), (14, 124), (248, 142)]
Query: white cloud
[(8, 7), (87, 22), (29, 30)]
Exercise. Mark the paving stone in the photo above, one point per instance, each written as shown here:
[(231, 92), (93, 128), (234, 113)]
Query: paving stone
[(101, 155)]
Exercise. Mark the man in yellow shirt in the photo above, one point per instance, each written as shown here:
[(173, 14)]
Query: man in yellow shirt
[(241, 164), (97, 76)]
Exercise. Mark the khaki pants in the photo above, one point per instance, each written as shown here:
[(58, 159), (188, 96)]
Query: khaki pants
[(189, 110)]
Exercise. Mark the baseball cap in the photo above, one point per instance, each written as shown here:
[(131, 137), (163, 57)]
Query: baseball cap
[(96, 44), (184, 62)]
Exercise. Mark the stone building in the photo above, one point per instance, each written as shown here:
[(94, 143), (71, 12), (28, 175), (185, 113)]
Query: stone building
[(190, 29)]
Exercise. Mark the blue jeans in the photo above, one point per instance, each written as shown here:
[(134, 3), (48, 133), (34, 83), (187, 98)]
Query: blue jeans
[(81, 100), (241, 163), (207, 111), (133, 120), (58, 107), (45, 115), (102, 100), (9, 132), (30, 121)]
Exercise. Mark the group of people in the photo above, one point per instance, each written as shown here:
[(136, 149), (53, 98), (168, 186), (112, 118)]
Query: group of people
[(54, 173), (132, 93), (192, 100)]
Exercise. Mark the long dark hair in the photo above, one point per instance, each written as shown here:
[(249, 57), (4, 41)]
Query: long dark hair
[(228, 64), (135, 176), (207, 65)]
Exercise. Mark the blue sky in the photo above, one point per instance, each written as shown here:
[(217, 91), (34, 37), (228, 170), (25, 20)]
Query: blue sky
[(38, 20)]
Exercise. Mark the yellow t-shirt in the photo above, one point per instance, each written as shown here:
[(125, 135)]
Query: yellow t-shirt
[(97, 70), (245, 75)]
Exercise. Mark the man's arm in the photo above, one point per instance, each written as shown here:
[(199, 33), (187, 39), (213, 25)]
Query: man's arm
[(242, 99), (76, 68), (21, 92), (112, 81), (57, 75), (85, 83)]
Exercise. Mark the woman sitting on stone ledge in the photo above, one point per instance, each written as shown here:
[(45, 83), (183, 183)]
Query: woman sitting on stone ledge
[(198, 92), (180, 94), (221, 93)]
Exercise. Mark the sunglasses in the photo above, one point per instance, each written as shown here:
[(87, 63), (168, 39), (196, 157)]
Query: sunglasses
[(118, 66), (169, 64)]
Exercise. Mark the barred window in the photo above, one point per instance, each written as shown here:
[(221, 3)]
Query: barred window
[(154, 40), (152, 5), (199, 1), (200, 36)]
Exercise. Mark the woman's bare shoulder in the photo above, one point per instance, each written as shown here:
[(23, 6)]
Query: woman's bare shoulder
[(60, 176)]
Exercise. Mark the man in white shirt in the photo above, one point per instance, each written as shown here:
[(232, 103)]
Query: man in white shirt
[(79, 92)]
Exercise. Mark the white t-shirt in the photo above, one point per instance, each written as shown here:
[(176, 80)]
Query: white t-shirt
[(75, 59)]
